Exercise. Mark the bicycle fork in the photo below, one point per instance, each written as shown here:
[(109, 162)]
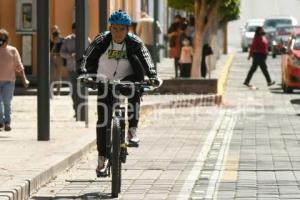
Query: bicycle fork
[(120, 115), (123, 145)]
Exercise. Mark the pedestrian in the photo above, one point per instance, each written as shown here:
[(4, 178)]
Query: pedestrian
[(68, 52), (186, 56), (132, 27), (117, 55), (206, 51), (191, 26), (10, 65), (144, 30), (174, 32), (186, 51), (57, 62), (259, 52)]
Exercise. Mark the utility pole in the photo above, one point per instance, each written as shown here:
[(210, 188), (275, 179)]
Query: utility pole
[(43, 70), (154, 49), (81, 45), (103, 15)]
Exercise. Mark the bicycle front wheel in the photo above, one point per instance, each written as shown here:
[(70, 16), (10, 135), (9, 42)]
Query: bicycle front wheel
[(116, 164)]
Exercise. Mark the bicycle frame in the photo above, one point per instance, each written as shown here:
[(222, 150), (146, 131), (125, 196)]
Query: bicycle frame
[(115, 139)]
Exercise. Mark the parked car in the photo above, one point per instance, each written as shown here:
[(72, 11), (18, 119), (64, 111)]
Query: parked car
[(248, 31), (271, 24), (291, 63), (281, 38)]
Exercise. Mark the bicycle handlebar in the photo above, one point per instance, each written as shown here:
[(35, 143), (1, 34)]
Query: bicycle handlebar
[(88, 81)]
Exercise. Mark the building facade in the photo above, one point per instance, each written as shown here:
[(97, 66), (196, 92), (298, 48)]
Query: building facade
[(18, 17)]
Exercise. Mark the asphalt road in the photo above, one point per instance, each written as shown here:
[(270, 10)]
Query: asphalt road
[(260, 9)]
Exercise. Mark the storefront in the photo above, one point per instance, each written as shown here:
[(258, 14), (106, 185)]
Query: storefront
[(18, 17)]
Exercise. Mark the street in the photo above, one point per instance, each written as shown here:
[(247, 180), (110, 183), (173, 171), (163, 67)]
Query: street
[(245, 149), (252, 9), (236, 143)]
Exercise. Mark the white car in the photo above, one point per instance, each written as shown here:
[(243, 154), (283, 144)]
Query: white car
[(248, 32)]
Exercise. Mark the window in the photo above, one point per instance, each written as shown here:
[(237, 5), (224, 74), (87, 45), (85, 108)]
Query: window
[(144, 6), (251, 28), (273, 23), (26, 16), (296, 43)]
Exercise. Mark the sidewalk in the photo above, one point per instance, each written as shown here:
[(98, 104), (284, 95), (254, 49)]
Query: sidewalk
[(256, 153), (263, 159), (26, 164), (248, 148), (165, 166)]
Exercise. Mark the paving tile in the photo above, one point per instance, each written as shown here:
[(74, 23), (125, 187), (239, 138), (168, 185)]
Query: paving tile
[(265, 138)]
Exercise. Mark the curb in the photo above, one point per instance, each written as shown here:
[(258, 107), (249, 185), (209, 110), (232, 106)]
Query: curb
[(224, 75), (22, 189)]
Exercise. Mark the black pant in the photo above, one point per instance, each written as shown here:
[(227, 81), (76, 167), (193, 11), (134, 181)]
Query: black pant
[(203, 67), (185, 70), (151, 50), (259, 59), (176, 65), (73, 81), (104, 111)]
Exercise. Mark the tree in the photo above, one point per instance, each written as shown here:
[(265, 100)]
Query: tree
[(207, 13)]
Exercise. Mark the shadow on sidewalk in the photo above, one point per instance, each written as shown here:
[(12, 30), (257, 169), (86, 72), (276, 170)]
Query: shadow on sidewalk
[(295, 101), (279, 90), (81, 197), (276, 90), (5, 137)]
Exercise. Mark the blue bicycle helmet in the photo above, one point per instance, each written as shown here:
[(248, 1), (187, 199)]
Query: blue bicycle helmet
[(119, 17)]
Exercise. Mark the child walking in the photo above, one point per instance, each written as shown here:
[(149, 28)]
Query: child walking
[(186, 56)]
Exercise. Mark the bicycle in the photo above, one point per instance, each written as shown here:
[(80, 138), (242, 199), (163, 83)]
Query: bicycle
[(115, 138)]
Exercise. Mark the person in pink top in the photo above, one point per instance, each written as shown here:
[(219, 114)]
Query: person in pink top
[(10, 64)]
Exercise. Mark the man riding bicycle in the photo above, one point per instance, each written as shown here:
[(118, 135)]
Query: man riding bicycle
[(117, 55)]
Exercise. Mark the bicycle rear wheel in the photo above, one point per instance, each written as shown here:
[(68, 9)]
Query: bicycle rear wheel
[(116, 164)]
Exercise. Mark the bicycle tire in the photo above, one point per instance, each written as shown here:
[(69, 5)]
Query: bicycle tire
[(115, 167), (123, 148), (123, 151), (120, 176)]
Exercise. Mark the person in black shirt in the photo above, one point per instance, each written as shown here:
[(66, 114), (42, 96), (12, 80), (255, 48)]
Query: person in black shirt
[(206, 51), (173, 34)]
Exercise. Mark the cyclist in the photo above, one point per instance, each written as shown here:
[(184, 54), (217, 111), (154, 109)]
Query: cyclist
[(119, 55)]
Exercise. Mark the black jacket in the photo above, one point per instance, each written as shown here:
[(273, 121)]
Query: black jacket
[(137, 53)]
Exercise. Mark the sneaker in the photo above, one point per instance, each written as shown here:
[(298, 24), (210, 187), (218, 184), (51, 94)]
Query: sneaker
[(7, 127), (247, 84), (132, 136), (102, 167), (271, 83)]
